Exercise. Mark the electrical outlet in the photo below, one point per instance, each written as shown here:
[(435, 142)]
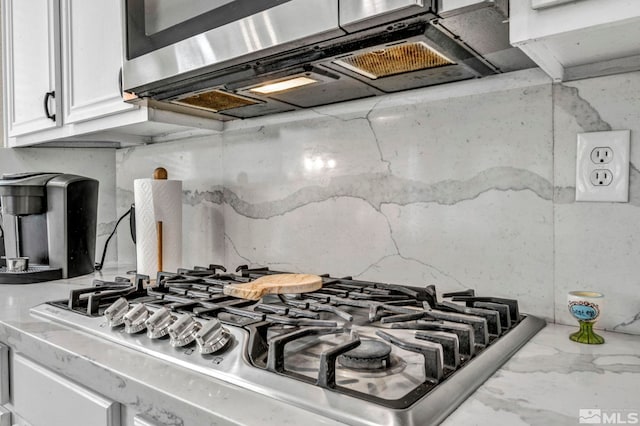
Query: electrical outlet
[(601, 177), (601, 155), (594, 180)]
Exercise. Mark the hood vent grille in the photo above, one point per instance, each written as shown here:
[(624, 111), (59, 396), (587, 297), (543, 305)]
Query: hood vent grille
[(215, 100), (392, 60)]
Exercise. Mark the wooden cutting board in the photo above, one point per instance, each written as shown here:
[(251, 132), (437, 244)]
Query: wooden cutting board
[(274, 284)]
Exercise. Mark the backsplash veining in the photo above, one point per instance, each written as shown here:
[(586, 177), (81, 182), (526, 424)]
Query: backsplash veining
[(468, 185)]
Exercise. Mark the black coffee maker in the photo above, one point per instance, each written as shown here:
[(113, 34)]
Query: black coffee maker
[(48, 226)]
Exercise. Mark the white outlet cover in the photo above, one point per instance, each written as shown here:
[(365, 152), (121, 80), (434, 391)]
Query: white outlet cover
[(618, 190)]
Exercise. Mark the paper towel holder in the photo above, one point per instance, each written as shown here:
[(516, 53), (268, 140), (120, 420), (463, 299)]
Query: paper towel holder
[(160, 173), (158, 200)]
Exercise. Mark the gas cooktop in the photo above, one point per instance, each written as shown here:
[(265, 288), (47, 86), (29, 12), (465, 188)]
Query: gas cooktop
[(355, 351)]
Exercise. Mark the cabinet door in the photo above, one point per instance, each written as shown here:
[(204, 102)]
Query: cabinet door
[(31, 65), (43, 398), (91, 58)]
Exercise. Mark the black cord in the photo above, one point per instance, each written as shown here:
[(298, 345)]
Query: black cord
[(98, 266)]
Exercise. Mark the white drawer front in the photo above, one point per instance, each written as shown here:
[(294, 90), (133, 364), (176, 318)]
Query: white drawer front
[(44, 398)]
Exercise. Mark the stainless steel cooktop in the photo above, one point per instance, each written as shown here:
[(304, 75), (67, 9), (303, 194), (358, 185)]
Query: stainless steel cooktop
[(359, 352)]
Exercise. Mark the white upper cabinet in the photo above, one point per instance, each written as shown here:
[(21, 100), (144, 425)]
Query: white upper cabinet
[(91, 59), (62, 62), (32, 78), (580, 38)]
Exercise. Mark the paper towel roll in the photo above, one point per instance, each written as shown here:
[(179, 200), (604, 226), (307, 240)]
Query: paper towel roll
[(158, 200)]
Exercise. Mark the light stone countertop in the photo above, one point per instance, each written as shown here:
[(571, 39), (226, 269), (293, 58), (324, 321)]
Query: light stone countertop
[(546, 383)]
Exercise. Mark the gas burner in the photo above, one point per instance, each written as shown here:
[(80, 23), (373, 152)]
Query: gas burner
[(370, 355)]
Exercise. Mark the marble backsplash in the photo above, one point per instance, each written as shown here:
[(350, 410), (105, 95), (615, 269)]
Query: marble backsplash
[(468, 185)]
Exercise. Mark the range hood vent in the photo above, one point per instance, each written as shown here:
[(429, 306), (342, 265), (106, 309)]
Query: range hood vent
[(215, 101), (397, 59), (434, 43)]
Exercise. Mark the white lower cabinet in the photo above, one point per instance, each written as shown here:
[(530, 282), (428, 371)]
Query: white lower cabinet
[(43, 398)]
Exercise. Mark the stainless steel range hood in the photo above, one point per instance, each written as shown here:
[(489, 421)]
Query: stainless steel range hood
[(300, 54)]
